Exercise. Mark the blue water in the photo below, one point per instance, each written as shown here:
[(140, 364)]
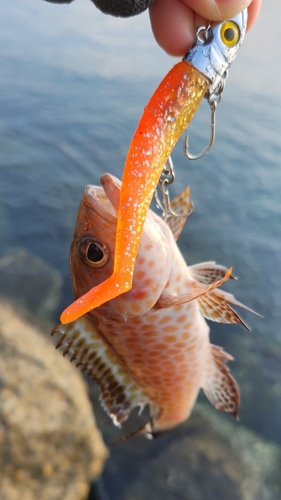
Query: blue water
[(73, 84)]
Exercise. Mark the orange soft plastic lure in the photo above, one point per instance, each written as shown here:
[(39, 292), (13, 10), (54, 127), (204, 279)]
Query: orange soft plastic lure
[(168, 113)]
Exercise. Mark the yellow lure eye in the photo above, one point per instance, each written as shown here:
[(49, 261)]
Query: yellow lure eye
[(230, 33)]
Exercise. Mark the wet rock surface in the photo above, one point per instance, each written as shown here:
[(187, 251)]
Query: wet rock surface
[(210, 457), (50, 446), (30, 282)]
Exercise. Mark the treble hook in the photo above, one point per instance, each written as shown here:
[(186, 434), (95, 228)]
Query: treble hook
[(213, 106)]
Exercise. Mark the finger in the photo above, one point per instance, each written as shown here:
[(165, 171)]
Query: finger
[(174, 21), (253, 12), (217, 10)]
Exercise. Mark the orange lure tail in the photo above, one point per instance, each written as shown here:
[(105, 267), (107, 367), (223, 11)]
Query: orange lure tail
[(167, 115)]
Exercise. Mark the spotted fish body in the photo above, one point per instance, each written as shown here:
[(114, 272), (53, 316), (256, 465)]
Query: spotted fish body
[(151, 344)]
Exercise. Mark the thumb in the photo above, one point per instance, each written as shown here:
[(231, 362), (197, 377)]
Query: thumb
[(217, 10)]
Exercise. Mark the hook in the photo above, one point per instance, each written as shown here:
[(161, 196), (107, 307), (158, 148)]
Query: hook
[(213, 106), (166, 179)]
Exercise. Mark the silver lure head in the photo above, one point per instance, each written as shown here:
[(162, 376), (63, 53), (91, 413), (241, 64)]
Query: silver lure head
[(213, 53)]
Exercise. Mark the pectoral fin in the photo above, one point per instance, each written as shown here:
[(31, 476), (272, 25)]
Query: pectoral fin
[(208, 272), (194, 291), (219, 386), (120, 393), (215, 306)]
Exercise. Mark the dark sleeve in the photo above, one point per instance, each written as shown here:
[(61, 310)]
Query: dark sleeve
[(59, 1), (118, 8), (122, 8)]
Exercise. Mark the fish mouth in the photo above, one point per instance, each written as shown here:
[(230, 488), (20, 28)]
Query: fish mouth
[(96, 199)]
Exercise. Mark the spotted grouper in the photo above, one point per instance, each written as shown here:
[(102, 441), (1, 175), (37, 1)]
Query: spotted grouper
[(150, 345)]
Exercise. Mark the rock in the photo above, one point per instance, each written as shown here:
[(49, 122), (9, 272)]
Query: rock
[(6, 229), (50, 446), (30, 282), (209, 457)]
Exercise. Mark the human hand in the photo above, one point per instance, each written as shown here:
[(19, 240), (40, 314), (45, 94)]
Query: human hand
[(173, 22)]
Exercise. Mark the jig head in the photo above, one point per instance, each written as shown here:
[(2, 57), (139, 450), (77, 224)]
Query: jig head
[(212, 54)]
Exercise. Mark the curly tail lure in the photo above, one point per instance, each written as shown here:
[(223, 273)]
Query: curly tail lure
[(201, 73)]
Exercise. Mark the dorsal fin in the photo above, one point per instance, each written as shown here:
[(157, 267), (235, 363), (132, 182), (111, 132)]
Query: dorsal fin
[(219, 386), (182, 206), (120, 394)]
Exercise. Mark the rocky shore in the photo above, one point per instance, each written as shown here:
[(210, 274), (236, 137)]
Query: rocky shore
[(50, 445)]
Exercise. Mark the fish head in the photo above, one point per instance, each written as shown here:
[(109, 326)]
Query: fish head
[(93, 247)]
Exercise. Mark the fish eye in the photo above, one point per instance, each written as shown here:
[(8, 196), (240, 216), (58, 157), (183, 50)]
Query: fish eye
[(93, 252), (230, 33)]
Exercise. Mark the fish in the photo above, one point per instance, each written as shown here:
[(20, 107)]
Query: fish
[(168, 113), (149, 346)]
